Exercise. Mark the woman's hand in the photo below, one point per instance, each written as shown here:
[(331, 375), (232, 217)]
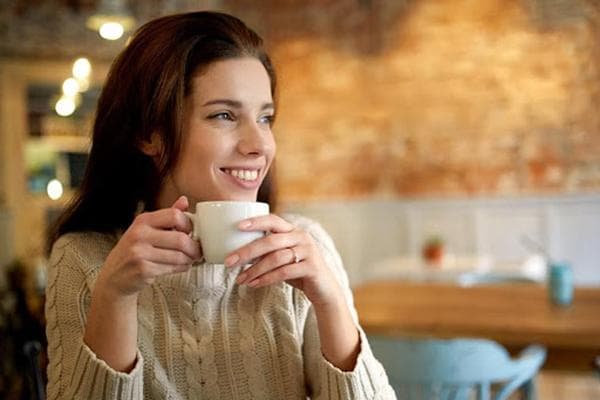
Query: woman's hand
[(290, 254), (155, 244), (287, 254)]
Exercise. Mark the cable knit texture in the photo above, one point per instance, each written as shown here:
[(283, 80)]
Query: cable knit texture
[(200, 335)]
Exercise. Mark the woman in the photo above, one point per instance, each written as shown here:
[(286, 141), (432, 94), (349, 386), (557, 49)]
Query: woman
[(132, 312)]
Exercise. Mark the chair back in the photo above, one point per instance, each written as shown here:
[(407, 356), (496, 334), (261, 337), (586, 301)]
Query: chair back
[(32, 350), (456, 369)]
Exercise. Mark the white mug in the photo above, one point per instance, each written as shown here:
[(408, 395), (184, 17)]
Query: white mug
[(216, 226)]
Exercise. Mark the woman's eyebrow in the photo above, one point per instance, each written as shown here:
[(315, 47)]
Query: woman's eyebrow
[(227, 102), (235, 104)]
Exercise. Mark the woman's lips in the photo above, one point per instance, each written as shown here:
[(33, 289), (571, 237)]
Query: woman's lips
[(246, 178)]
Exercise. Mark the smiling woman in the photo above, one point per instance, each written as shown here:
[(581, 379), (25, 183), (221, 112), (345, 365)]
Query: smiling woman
[(228, 146), (132, 310)]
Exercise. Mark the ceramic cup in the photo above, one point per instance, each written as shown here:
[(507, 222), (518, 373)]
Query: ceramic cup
[(216, 226), (560, 284)]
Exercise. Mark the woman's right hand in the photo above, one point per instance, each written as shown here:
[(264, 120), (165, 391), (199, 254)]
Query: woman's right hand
[(155, 244)]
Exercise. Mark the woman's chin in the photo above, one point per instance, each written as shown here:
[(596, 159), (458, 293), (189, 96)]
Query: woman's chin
[(237, 197), (225, 195), (242, 198)]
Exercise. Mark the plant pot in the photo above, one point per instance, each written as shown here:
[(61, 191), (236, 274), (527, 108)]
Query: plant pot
[(433, 255)]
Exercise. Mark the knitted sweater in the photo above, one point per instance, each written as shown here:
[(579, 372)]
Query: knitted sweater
[(200, 335)]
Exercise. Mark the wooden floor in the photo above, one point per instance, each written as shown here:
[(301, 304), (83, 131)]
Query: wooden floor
[(558, 385)]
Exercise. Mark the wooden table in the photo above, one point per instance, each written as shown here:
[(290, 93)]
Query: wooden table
[(513, 314)]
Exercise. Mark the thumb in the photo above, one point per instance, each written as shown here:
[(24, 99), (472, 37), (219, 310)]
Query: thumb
[(181, 203)]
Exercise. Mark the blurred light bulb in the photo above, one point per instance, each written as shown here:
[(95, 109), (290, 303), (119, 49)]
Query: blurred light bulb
[(70, 87), (65, 106), (54, 189), (111, 30), (82, 68), (76, 99), (84, 84)]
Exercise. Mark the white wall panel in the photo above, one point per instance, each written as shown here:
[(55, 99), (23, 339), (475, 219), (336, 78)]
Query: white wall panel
[(578, 241), (502, 230), (455, 226), (367, 232), (385, 233)]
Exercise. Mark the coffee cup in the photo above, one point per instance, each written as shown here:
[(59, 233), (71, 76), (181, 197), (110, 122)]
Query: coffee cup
[(561, 283), (215, 225)]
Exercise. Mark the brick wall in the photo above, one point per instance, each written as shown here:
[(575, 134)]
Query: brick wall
[(433, 98)]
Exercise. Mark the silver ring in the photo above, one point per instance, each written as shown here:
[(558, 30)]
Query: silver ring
[(296, 258)]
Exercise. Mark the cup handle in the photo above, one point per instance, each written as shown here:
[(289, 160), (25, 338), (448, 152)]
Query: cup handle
[(193, 232)]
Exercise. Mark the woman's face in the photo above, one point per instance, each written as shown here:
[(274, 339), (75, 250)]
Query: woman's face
[(228, 145)]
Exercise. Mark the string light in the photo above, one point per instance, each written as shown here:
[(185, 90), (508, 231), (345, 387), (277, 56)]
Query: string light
[(111, 20), (82, 68), (54, 189), (111, 30), (65, 106), (73, 86), (70, 87)]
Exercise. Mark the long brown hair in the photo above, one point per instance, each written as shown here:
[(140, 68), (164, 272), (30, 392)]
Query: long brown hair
[(144, 94)]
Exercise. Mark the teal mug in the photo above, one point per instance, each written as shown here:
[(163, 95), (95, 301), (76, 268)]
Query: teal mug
[(560, 283)]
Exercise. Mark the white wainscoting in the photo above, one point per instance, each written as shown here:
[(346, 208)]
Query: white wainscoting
[(367, 232)]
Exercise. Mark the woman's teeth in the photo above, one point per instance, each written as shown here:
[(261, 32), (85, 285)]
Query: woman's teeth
[(243, 174)]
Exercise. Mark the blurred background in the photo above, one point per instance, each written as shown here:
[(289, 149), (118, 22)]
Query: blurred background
[(404, 125)]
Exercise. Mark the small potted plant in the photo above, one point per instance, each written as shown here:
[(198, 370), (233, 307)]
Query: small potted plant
[(433, 250)]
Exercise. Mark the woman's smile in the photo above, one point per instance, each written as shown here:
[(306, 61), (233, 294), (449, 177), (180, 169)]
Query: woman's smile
[(246, 178)]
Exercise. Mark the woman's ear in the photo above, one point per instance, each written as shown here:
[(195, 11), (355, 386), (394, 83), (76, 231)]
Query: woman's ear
[(153, 147)]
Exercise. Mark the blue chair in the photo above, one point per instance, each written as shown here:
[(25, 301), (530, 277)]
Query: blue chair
[(456, 369)]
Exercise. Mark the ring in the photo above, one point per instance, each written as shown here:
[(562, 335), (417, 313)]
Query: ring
[(296, 258)]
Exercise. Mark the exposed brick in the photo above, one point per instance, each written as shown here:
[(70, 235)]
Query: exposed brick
[(450, 97)]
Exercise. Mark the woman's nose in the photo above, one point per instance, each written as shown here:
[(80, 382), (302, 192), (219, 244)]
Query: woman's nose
[(255, 139)]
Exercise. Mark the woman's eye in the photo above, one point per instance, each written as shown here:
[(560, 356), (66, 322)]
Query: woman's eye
[(222, 116), (267, 119)]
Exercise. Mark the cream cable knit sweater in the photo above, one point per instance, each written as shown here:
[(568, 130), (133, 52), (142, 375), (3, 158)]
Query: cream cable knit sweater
[(200, 335)]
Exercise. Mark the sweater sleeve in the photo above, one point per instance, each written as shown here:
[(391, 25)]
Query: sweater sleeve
[(74, 371), (368, 379)]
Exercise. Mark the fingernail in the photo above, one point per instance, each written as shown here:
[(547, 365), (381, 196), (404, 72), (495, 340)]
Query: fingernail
[(253, 283), (241, 278), (245, 224), (231, 260)]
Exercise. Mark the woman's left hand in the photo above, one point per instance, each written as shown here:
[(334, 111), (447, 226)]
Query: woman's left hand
[(288, 254)]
